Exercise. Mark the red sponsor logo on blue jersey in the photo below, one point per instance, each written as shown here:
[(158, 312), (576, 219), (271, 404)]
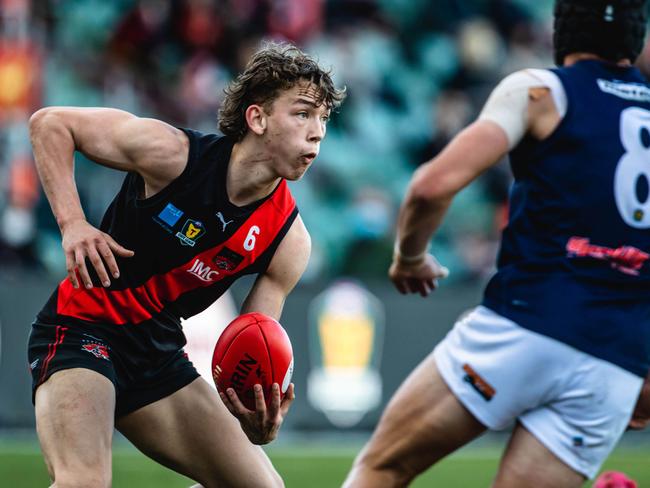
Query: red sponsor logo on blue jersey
[(626, 259)]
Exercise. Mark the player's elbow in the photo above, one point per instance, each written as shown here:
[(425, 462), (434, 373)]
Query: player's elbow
[(37, 118), (429, 189), (42, 118)]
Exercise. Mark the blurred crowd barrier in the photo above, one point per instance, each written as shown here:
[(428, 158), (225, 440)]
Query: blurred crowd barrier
[(353, 344), (416, 71)]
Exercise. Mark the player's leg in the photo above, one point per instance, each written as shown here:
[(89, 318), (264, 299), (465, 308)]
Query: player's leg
[(422, 423), (527, 463), (192, 432), (565, 440), (74, 421)]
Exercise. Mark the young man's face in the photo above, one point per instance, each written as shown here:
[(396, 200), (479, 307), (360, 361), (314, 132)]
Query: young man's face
[(296, 126)]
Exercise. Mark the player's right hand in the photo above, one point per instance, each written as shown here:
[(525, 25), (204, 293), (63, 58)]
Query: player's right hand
[(261, 425), (419, 278), (80, 240)]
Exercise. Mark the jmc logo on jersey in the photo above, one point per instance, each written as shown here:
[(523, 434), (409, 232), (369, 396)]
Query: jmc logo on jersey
[(192, 230), (202, 271)]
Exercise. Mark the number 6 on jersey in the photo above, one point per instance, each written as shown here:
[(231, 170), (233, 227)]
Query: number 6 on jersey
[(249, 242)]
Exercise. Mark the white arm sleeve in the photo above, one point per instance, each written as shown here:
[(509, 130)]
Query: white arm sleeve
[(507, 105)]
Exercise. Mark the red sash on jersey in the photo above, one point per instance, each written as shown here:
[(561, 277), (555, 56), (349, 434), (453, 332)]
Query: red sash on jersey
[(135, 305)]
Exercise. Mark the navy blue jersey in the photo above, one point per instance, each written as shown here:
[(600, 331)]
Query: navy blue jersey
[(573, 263)]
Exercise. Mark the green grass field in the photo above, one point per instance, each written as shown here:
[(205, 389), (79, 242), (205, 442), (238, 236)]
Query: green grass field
[(21, 466)]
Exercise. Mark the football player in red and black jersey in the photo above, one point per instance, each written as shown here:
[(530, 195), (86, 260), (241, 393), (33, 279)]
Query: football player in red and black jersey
[(195, 212)]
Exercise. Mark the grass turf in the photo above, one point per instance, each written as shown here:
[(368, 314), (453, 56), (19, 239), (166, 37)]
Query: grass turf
[(21, 466)]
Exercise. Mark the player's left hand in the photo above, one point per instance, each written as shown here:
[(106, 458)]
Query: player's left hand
[(261, 426)]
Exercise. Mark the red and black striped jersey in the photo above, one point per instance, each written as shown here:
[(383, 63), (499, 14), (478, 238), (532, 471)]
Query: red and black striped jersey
[(191, 243)]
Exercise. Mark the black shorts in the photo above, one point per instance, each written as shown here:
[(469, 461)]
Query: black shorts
[(145, 363)]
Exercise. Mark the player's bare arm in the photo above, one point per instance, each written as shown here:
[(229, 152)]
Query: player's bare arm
[(268, 296), (521, 104), (430, 193), (110, 137)]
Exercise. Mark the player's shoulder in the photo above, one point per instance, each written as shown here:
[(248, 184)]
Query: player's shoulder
[(299, 234), (297, 243), (206, 151), (203, 142), (527, 81), (292, 255), (529, 78)]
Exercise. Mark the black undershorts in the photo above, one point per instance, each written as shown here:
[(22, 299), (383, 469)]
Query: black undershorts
[(145, 362)]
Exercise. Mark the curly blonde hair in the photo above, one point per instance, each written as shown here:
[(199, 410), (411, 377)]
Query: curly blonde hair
[(272, 69)]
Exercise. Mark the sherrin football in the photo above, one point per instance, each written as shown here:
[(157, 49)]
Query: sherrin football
[(252, 349)]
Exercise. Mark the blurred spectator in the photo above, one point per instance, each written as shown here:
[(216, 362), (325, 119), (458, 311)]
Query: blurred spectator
[(415, 75)]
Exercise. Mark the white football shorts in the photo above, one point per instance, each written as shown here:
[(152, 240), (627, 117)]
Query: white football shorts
[(576, 405)]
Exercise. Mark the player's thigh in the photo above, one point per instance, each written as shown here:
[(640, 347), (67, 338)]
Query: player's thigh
[(74, 420), (584, 420), (192, 432), (422, 423), (527, 463)]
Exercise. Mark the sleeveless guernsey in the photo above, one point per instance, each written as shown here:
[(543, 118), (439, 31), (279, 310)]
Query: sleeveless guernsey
[(573, 263), (191, 243)]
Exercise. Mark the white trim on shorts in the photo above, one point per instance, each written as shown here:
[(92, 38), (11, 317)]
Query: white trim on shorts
[(577, 405)]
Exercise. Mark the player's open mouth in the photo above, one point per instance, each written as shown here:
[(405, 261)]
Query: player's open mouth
[(309, 157)]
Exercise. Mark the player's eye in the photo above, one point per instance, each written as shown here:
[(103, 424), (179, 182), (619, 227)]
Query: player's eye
[(303, 115)]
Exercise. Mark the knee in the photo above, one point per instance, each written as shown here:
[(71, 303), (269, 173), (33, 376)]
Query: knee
[(270, 478), (263, 478), (276, 480), (383, 469)]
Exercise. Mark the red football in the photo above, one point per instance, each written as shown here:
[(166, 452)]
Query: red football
[(252, 349)]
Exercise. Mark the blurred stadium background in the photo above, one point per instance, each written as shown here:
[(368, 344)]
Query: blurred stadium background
[(416, 71)]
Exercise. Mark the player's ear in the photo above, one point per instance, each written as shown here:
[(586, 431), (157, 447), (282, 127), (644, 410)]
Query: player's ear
[(256, 119)]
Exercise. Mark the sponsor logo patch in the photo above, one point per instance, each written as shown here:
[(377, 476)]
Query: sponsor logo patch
[(33, 364), (168, 217), (628, 91), (100, 351), (626, 259), (478, 383), (202, 271), (227, 259), (224, 223), (192, 231)]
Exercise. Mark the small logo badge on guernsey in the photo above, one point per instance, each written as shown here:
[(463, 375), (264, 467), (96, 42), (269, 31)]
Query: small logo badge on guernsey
[(626, 259), (100, 351), (224, 223), (227, 259), (168, 217), (478, 383), (203, 271), (33, 364), (192, 231), (637, 92)]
